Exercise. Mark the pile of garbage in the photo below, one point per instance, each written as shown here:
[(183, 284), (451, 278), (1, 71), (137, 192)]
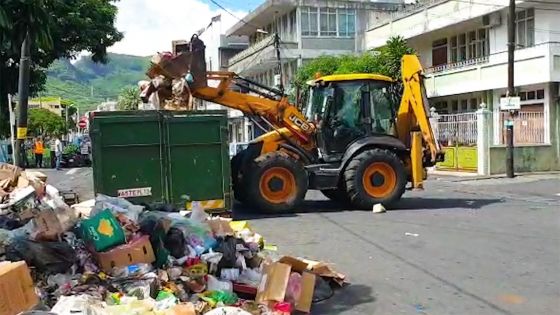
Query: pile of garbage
[(108, 256)]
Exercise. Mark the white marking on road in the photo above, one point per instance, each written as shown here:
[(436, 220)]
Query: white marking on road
[(557, 194), (72, 171), (411, 234)]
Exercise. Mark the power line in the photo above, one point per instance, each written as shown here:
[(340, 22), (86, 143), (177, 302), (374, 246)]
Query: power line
[(233, 15)]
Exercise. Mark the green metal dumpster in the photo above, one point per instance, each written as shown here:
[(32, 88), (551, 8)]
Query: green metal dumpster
[(170, 157)]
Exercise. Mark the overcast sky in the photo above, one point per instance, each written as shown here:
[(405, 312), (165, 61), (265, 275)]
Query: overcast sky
[(149, 26)]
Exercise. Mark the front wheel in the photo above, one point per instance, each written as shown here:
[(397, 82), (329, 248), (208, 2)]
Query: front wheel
[(375, 176), (276, 183)]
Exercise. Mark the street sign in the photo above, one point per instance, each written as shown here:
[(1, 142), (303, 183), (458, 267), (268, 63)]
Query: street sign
[(82, 124), (510, 103)]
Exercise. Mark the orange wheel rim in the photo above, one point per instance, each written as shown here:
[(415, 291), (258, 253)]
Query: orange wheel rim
[(379, 180), (277, 185)]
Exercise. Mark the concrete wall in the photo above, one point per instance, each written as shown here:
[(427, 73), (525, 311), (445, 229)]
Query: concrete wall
[(328, 43), (534, 158)]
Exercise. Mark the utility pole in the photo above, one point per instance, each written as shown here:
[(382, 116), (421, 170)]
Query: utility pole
[(511, 89), (277, 46), (23, 95)]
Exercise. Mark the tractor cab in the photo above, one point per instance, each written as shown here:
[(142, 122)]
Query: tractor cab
[(348, 107)]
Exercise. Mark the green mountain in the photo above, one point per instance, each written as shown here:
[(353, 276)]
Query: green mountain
[(87, 83)]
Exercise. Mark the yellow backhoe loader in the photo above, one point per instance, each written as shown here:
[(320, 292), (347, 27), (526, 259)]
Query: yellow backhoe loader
[(359, 138)]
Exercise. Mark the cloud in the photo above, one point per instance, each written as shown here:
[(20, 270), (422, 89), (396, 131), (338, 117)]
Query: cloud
[(150, 26)]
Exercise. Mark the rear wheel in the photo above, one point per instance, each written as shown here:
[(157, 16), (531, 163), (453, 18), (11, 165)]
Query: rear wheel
[(375, 176), (276, 183)]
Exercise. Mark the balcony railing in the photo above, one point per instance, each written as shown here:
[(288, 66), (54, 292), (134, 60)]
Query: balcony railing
[(413, 8), (457, 65), (253, 49)]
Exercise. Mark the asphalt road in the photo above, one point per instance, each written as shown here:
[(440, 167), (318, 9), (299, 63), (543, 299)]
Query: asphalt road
[(459, 247)]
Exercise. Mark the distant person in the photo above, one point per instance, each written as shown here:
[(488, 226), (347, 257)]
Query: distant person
[(52, 145), (58, 152), (38, 150)]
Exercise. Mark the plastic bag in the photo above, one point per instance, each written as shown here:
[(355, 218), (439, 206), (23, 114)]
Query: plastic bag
[(47, 257), (228, 247), (73, 305), (293, 290), (214, 284), (117, 206), (198, 214)]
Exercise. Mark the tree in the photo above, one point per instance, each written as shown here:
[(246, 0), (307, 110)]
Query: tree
[(129, 99), (57, 29), (43, 122), (385, 60)]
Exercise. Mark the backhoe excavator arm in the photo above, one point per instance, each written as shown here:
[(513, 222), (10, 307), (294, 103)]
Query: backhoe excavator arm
[(413, 124)]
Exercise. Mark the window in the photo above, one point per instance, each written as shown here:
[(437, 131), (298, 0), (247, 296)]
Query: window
[(328, 22), (439, 52), (472, 45), (462, 55), (309, 22), (525, 25), (540, 94), (346, 22), (454, 51)]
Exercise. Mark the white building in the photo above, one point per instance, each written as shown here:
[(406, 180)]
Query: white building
[(307, 29), (463, 47)]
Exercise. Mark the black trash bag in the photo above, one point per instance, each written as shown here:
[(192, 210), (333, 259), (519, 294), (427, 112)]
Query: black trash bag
[(152, 226), (8, 223), (228, 247), (323, 290), (175, 243), (47, 257)]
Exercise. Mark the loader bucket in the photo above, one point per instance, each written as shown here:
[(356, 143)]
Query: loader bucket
[(190, 60)]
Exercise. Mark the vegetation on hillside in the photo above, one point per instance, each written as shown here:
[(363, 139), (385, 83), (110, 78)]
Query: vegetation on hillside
[(88, 83), (56, 29)]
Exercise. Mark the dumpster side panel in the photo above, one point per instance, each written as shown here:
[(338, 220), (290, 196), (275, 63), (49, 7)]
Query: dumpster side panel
[(198, 165), (128, 157)]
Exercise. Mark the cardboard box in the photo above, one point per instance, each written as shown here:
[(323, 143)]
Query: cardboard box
[(275, 282), (17, 291), (135, 252), (48, 226)]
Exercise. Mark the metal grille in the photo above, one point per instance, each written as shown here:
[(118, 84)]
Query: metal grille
[(528, 128), (457, 129)]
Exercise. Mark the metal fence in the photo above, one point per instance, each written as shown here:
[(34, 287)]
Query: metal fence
[(457, 129), (528, 128)]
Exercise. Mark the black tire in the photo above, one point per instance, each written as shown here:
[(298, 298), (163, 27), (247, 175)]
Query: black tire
[(390, 179), (237, 177), (283, 175)]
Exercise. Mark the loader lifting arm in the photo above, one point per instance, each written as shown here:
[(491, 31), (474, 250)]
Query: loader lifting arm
[(278, 113), (413, 124)]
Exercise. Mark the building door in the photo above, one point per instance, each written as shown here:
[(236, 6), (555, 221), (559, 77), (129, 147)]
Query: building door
[(439, 52)]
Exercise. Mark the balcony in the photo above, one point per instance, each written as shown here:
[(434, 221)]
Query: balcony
[(457, 65), (260, 56), (428, 17), (532, 66)]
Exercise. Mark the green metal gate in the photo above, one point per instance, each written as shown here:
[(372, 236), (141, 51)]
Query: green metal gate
[(457, 133)]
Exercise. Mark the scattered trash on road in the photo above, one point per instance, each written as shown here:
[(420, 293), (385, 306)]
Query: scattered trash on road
[(108, 256), (379, 208)]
